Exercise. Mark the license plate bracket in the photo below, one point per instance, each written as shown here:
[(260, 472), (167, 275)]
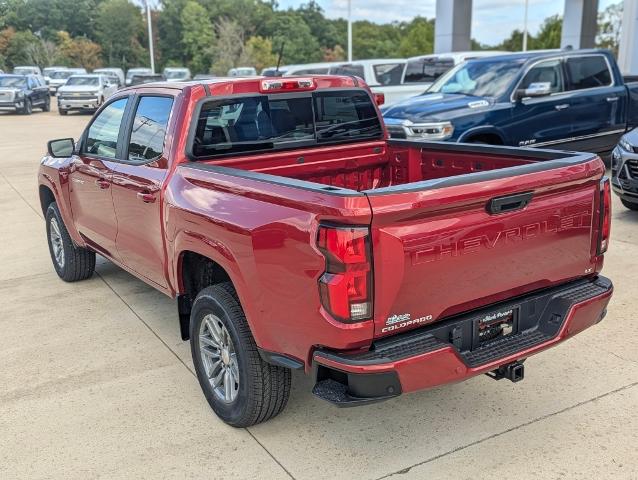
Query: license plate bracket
[(494, 325)]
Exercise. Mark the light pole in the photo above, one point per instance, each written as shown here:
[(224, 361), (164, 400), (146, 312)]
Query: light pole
[(150, 35), (349, 30), (525, 26)]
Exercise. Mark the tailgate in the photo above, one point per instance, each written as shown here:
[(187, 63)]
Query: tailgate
[(438, 251)]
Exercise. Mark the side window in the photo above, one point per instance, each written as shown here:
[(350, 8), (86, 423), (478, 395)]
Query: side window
[(545, 72), (31, 83), (389, 73), (356, 70), (427, 70), (102, 137), (149, 128), (588, 72)]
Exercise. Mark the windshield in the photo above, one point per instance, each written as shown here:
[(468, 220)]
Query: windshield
[(482, 79), (60, 74), (176, 74), (23, 70), (84, 81), (142, 71), (17, 82), (259, 123)]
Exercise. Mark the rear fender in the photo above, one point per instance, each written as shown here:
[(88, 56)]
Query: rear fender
[(223, 256)]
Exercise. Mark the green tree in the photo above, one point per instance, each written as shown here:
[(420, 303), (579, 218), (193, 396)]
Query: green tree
[(230, 46), (609, 26), (78, 51), (300, 46), (198, 37), (418, 38), (258, 53), (19, 50), (120, 33), (169, 27), (549, 35)]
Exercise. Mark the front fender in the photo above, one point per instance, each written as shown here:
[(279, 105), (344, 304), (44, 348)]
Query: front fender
[(54, 175)]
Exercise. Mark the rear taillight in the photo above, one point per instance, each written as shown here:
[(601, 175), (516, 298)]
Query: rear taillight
[(605, 215), (346, 286), (379, 98)]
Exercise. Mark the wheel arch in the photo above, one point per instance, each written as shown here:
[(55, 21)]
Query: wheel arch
[(486, 132), (199, 263)]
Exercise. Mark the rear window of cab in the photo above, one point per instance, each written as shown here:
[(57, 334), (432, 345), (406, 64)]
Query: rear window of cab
[(272, 122)]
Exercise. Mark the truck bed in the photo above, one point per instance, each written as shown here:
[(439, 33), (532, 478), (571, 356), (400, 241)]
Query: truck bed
[(377, 165)]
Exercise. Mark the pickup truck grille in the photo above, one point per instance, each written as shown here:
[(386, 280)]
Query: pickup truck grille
[(632, 165), (6, 96)]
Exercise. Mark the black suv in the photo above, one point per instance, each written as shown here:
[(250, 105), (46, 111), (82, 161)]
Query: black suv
[(22, 93)]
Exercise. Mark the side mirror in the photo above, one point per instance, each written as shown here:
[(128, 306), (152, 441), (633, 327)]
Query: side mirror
[(61, 148), (538, 89)]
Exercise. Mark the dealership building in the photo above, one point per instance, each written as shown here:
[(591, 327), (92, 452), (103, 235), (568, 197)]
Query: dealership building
[(454, 26)]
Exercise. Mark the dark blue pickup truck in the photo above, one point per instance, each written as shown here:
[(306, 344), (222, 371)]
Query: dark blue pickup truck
[(570, 99)]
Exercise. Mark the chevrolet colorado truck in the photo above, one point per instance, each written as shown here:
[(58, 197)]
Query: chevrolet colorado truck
[(569, 99), (295, 235)]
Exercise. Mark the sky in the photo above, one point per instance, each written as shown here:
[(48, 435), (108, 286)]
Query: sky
[(492, 20)]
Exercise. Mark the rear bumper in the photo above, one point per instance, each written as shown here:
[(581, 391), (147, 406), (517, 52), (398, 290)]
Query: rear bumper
[(447, 352)]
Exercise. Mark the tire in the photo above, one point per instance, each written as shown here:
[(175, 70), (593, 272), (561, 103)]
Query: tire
[(73, 263), (260, 390), (28, 107), (63, 112), (629, 205), (47, 105)]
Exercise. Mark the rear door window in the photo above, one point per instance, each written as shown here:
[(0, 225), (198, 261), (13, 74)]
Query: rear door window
[(149, 128), (348, 70), (388, 73), (426, 70), (261, 122), (588, 72)]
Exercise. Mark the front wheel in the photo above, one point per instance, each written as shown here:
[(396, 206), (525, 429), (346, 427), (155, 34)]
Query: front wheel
[(629, 205), (28, 107), (240, 387), (71, 263)]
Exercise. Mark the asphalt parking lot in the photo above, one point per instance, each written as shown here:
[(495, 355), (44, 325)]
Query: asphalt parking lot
[(96, 383)]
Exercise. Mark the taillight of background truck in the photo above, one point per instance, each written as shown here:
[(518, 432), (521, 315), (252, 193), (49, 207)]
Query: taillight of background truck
[(605, 215), (346, 286)]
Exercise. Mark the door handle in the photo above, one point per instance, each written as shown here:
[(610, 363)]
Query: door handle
[(146, 197), (562, 106), (103, 184), (612, 99), (509, 203)]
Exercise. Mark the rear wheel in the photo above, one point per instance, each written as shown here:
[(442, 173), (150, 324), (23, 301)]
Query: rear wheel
[(629, 205), (71, 263), (47, 105), (240, 387)]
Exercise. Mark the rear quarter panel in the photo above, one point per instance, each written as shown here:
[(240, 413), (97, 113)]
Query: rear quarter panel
[(263, 234)]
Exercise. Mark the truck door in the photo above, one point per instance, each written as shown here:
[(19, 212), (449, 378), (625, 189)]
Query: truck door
[(90, 179), (598, 105), (542, 120), (137, 182)]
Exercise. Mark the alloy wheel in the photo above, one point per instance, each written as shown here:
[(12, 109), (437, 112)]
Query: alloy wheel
[(219, 358)]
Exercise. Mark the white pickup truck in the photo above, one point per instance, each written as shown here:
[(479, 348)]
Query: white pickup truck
[(398, 78)]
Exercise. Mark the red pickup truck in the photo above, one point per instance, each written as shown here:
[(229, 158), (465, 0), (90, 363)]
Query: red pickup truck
[(295, 235)]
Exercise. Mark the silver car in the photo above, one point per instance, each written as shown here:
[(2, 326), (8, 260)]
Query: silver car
[(84, 92), (624, 170)]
